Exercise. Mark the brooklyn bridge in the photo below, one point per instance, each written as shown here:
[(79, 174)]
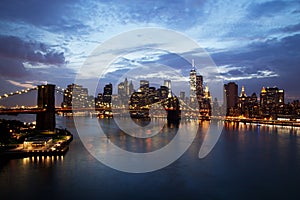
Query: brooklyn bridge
[(45, 109)]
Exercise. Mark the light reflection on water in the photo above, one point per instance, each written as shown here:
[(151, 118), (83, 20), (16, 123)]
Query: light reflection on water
[(248, 162), (44, 161)]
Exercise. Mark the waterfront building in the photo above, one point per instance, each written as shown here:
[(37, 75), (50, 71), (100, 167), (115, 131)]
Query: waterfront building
[(167, 83), (231, 98), (243, 103), (107, 94), (205, 104), (271, 102), (144, 86), (152, 95), (163, 92), (130, 88), (253, 106), (122, 89), (80, 95), (199, 87), (99, 100)]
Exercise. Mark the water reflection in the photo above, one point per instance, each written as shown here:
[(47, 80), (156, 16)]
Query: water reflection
[(248, 162), (272, 129), (43, 161), (136, 144)]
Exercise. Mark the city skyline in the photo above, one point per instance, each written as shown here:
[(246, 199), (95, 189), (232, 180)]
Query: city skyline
[(252, 43)]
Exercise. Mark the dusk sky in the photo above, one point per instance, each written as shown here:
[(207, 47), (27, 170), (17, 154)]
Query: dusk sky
[(253, 43)]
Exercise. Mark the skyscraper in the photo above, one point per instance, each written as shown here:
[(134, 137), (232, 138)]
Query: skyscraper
[(144, 86), (126, 87), (75, 96), (130, 88), (107, 92), (167, 83), (271, 101), (193, 81), (199, 87), (231, 97), (122, 89), (243, 103)]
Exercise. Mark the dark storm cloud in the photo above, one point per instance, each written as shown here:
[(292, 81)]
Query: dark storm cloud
[(34, 52), (12, 68)]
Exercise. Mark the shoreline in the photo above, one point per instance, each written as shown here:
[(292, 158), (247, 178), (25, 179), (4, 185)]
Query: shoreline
[(24, 153), (264, 122)]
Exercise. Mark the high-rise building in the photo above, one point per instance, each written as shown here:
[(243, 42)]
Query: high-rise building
[(75, 96), (107, 92), (144, 86), (122, 89), (271, 101), (167, 83), (99, 100), (243, 103), (231, 97), (126, 87), (199, 87), (163, 92), (253, 106), (152, 94), (130, 88), (193, 82), (205, 104)]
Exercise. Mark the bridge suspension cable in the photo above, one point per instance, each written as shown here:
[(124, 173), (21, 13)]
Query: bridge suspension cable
[(18, 92)]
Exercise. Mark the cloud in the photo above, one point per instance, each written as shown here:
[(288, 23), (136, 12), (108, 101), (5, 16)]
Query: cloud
[(34, 52), (291, 28), (26, 84), (253, 39), (16, 55), (266, 9)]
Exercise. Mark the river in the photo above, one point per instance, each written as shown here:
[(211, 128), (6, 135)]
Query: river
[(247, 162)]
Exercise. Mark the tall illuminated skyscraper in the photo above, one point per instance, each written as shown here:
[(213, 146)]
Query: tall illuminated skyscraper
[(167, 83), (193, 80)]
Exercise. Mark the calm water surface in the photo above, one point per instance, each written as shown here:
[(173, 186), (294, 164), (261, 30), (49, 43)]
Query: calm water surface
[(248, 162)]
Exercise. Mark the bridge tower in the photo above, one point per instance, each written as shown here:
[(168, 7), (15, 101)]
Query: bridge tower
[(46, 100), (173, 111)]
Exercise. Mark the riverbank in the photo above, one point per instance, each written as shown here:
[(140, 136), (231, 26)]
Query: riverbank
[(264, 122), (59, 147)]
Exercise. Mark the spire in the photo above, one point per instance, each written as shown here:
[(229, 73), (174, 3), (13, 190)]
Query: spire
[(243, 93), (263, 90), (193, 64), (206, 88), (206, 92)]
